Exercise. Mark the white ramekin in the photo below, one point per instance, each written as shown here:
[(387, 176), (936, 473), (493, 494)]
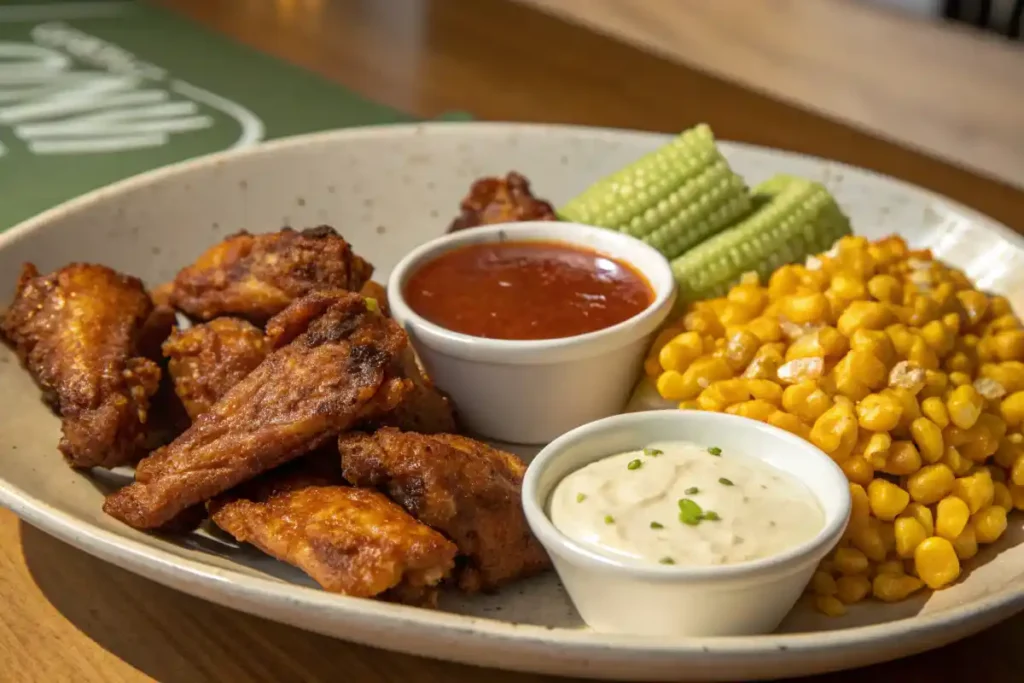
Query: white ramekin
[(730, 600), (529, 392)]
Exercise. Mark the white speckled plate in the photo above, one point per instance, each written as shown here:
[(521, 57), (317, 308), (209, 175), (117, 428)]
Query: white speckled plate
[(388, 189)]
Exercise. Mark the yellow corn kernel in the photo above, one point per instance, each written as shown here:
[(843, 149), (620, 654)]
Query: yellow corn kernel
[(790, 423), (1012, 409), (977, 490), (938, 337), (860, 506), (671, 386), (1017, 493), (849, 561), (975, 305), (806, 401), (895, 587), (1000, 306), (922, 355), (887, 500), (783, 281), (765, 364), (688, 405), (890, 567), (864, 315), (754, 410), (701, 374), (749, 296), (868, 539), (829, 605), (928, 438), (935, 383), (676, 357), (951, 516), (935, 410), (989, 523), (959, 379), (740, 348), (931, 483), (704, 322), (909, 533), (765, 390), (1009, 374), (879, 412), (1017, 471), (859, 471), (1009, 345), (730, 390), (911, 408), (1002, 496), (885, 288), (956, 462), (848, 286), (652, 367), (822, 583), (835, 432), (876, 450), (923, 310), (765, 329), (904, 458), (936, 562), (964, 406), (966, 544), (923, 514), (852, 589), (803, 309), (801, 370)]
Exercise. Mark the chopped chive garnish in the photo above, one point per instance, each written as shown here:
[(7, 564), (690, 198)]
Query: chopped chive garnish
[(657, 525), (580, 497), (652, 452), (666, 560), (689, 512), (693, 490), (711, 516), (725, 482), (689, 519), (634, 465), (715, 450), (608, 519)]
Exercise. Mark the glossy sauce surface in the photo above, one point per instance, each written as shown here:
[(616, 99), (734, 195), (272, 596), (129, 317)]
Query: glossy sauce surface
[(679, 503), (526, 290)]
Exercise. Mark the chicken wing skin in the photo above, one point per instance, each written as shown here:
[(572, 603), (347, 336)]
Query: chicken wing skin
[(257, 276), (465, 489), (206, 360), (501, 200), (331, 368), (377, 292), (351, 541), (78, 332)]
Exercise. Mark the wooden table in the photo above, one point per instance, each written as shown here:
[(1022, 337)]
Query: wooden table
[(65, 616)]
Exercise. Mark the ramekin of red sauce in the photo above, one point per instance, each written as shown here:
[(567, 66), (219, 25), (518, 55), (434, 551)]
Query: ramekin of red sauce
[(532, 328)]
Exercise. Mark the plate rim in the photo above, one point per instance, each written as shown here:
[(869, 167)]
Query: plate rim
[(138, 557)]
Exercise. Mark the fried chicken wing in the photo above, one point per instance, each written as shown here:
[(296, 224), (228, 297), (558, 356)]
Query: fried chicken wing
[(461, 487), (206, 360), (501, 200), (257, 276), (351, 541), (78, 331), (331, 368), (424, 409), (377, 292)]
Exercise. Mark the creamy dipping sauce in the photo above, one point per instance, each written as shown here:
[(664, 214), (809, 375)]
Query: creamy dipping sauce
[(685, 504)]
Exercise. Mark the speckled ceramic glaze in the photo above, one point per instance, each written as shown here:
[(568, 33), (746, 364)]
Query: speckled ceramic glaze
[(388, 190)]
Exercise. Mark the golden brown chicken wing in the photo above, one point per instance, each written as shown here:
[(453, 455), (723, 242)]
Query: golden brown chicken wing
[(461, 487), (377, 292), (257, 276), (424, 409), (78, 331), (351, 541), (206, 360), (331, 368), (501, 200)]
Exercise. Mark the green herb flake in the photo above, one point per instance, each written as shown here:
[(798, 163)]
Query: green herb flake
[(652, 452), (689, 512), (692, 491), (666, 560), (634, 465), (711, 516), (715, 450), (725, 482), (580, 497), (657, 525), (608, 519)]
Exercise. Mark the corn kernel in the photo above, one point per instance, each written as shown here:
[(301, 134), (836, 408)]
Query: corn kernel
[(805, 308), (849, 561), (864, 315), (1009, 345), (923, 514), (936, 562), (885, 288), (1017, 493), (931, 483), (765, 390), (1012, 409), (670, 386), (959, 379), (904, 458), (938, 337), (766, 329), (860, 506), (704, 322), (964, 406), (835, 432), (909, 533), (860, 471), (1002, 496), (740, 348), (895, 587), (887, 500), (876, 450), (790, 423), (989, 523), (806, 401), (935, 410), (955, 461), (951, 516), (977, 490), (928, 438), (754, 410), (879, 412), (869, 541), (829, 605), (852, 589), (890, 567), (966, 544), (822, 583)]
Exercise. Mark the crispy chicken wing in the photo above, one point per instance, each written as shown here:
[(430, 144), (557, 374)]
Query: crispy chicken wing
[(332, 367), (378, 293), (257, 276), (78, 331), (206, 360), (424, 409), (351, 541), (501, 200), (461, 487)]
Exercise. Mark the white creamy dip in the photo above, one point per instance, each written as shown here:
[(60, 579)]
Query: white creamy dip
[(734, 508)]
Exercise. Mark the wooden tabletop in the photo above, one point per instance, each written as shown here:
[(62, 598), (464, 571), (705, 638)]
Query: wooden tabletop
[(68, 617)]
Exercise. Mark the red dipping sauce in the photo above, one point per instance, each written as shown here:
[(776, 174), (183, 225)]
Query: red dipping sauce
[(526, 290)]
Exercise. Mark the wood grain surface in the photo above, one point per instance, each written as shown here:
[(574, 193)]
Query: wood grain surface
[(945, 89), (65, 616)]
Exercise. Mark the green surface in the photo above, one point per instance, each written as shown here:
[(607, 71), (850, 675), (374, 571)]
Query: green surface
[(93, 92)]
